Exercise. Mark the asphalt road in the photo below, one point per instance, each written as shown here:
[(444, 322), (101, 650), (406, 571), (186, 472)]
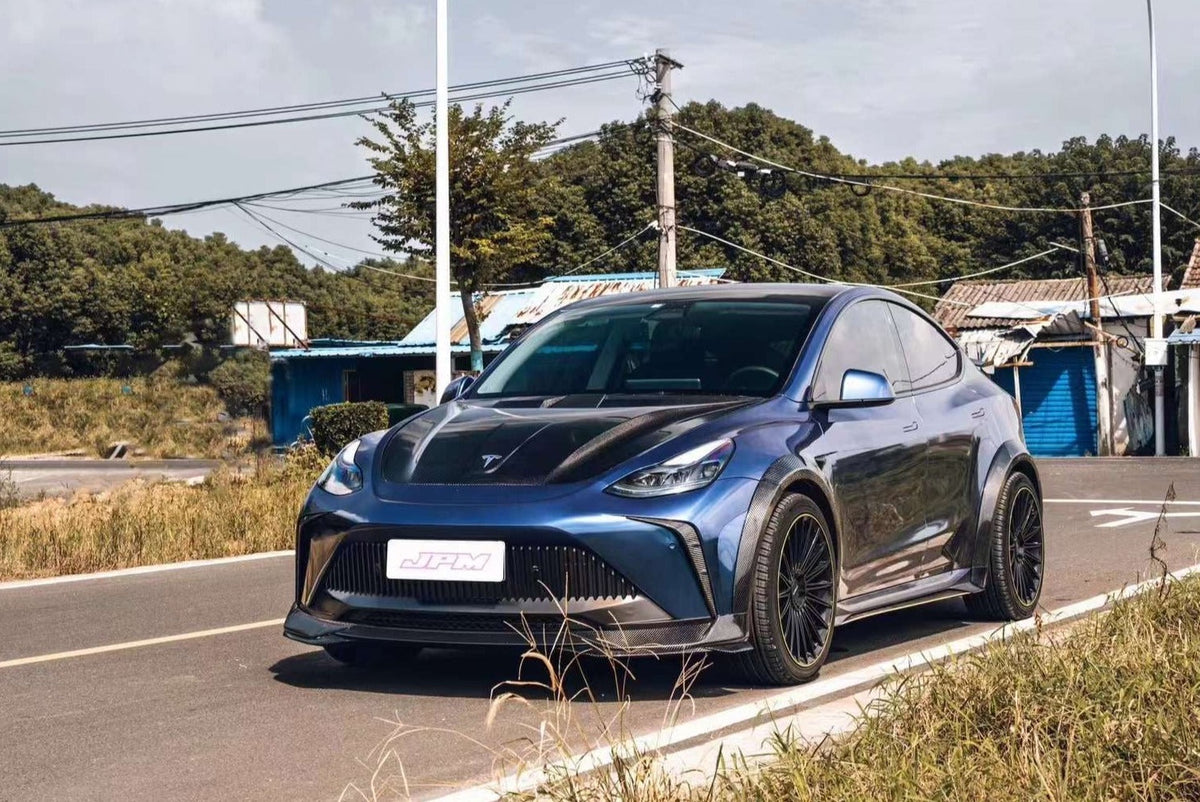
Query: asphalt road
[(62, 477), (249, 715)]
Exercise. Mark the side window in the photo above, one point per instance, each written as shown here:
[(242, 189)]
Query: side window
[(932, 358), (862, 338)]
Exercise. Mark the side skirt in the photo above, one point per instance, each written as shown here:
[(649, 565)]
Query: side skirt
[(922, 591)]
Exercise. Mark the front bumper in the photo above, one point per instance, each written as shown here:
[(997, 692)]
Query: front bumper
[(544, 632), (618, 584)]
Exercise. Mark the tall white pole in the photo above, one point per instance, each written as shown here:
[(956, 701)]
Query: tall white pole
[(1156, 329), (443, 305)]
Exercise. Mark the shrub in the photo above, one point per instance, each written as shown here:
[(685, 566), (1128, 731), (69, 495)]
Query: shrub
[(243, 382), (336, 425)]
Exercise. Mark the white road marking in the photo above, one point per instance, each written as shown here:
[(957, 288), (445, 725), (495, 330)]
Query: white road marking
[(766, 709), (137, 644), (141, 569), (1125, 516), (1157, 502)]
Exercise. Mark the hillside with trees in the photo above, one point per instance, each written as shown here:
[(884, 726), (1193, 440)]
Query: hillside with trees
[(134, 281)]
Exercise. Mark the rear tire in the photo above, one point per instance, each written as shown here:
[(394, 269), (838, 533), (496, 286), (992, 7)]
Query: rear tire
[(793, 596), (1016, 555), (372, 654)]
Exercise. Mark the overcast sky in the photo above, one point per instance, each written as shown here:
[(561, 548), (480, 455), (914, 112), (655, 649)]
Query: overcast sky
[(884, 79)]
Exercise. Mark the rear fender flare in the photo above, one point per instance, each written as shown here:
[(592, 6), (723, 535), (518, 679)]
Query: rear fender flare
[(1008, 457), (783, 474)]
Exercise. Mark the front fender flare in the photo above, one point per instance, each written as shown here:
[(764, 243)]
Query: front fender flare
[(783, 474)]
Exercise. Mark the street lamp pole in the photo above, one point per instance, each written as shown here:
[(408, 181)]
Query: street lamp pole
[(1156, 326), (442, 304)]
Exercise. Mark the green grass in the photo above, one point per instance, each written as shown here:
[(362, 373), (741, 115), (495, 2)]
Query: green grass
[(160, 417), (142, 524)]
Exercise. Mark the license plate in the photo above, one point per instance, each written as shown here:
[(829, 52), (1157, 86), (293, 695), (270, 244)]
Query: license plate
[(446, 560)]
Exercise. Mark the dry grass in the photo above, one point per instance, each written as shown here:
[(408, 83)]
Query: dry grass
[(142, 524), (159, 417), (1109, 710)]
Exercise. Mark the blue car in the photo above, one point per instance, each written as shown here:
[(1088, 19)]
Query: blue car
[(734, 469)]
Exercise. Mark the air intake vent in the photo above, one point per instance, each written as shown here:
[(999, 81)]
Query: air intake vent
[(532, 573)]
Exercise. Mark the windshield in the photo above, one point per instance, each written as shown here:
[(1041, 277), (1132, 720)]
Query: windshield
[(719, 347)]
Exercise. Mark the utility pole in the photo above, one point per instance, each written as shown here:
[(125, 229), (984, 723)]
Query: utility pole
[(663, 64), (1156, 327), (1104, 400), (442, 302)]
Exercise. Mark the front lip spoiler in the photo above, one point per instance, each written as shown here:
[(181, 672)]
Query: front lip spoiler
[(726, 633)]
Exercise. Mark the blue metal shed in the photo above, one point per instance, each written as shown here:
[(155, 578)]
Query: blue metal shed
[(1058, 401)]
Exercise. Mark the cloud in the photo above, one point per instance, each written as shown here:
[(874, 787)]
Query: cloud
[(883, 79)]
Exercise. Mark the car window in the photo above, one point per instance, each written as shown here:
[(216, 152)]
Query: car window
[(932, 357), (722, 347), (862, 338)]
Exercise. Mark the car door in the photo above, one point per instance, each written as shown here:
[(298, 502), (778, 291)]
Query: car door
[(951, 414), (873, 457)]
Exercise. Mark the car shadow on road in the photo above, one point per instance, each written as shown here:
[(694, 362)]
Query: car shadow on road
[(482, 673), (478, 673)]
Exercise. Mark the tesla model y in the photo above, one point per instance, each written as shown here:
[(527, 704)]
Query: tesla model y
[(735, 469)]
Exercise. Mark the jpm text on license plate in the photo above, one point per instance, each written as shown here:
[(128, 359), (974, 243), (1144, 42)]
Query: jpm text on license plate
[(449, 560)]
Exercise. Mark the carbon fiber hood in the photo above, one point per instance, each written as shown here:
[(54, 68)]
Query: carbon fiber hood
[(529, 444)]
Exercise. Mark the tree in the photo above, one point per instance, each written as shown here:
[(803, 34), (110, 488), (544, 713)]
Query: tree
[(497, 226)]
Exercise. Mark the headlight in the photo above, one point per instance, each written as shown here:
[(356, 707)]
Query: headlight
[(342, 477), (692, 469)]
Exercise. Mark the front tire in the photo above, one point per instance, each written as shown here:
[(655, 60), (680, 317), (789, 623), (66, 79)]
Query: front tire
[(793, 597), (372, 655), (1016, 555)]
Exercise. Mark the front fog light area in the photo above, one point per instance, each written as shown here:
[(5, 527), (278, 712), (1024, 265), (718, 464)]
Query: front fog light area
[(690, 470)]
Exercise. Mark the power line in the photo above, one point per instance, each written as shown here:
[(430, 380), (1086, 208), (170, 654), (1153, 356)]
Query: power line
[(870, 185), (164, 210), (1179, 214), (508, 92), (301, 107), (936, 176)]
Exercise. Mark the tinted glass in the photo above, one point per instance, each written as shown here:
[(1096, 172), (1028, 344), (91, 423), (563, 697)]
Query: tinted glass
[(709, 347), (862, 338), (932, 358)]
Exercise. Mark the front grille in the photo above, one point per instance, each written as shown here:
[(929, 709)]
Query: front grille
[(532, 573)]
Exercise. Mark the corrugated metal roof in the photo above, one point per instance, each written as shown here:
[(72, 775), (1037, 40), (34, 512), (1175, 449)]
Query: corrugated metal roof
[(556, 294), (954, 310), (500, 311), (1191, 276), (1184, 338), (377, 349)]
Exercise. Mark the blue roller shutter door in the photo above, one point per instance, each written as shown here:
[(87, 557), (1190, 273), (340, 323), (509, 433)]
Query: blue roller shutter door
[(1058, 401)]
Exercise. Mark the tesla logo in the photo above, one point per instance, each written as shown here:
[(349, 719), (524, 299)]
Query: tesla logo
[(459, 561), (491, 459)]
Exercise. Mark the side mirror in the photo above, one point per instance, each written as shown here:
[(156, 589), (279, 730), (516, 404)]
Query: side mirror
[(456, 388), (861, 388)]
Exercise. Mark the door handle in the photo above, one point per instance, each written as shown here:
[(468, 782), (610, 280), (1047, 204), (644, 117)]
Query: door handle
[(979, 413), (911, 427)]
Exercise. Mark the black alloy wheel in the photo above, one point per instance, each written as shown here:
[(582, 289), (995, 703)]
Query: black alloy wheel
[(1025, 545), (793, 595), (806, 590), (1016, 554)]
